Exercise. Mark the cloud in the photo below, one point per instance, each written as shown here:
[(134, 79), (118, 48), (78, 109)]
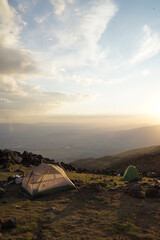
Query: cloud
[(59, 6), (21, 98), (78, 44), (10, 24), (22, 8), (15, 61), (86, 81), (41, 19), (8, 85), (149, 46)]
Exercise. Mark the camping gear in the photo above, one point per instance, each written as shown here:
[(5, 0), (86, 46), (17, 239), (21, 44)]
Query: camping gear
[(44, 179), (130, 174), (14, 179), (19, 179)]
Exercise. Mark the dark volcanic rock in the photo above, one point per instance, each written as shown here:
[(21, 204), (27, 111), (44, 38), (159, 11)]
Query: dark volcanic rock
[(8, 156), (134, 190)]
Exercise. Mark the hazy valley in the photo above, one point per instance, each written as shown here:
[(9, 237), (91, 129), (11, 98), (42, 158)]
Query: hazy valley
[(69, 142)]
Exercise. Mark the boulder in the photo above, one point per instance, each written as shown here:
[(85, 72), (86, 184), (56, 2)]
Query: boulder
[(134, 190), (10, 223), (17, 159), (152, 192)]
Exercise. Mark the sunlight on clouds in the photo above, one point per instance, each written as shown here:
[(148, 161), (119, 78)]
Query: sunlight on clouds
[(8, 85), (23, 99), (59, 55)]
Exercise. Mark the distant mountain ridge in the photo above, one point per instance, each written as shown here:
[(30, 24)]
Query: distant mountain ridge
[(145, 159)]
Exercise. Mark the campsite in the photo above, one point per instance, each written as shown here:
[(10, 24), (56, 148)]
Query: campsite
[(79, 120), (98, 207)]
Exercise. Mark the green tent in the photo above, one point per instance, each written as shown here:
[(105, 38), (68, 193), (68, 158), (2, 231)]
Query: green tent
[(130, 174)]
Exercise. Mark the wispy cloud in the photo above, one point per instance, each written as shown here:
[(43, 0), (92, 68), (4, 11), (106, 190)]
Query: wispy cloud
[(78, 44), (149, 46), (86, 81)]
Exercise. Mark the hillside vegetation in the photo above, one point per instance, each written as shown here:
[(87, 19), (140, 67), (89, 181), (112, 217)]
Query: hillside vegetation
[(145, 159)]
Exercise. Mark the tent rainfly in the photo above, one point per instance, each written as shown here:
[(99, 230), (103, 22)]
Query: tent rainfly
[(44, 179), (130, 174)]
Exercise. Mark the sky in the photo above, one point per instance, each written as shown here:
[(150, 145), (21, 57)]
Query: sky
[(79, 57)]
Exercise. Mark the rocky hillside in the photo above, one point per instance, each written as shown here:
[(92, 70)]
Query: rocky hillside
[(9, 158), (145, 159)]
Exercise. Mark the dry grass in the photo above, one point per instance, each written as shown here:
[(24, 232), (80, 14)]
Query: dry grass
[(84, 213)]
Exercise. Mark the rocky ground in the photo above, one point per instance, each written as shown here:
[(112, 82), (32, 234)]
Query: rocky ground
[(101, 207)]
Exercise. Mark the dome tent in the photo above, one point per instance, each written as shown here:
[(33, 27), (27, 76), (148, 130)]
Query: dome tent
[(44, 179), (130, 174)]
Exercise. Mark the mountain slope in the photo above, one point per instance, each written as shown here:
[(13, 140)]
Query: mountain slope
[(145, 159)]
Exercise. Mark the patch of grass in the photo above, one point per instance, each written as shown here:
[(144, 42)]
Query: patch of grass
[(88, 212)]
